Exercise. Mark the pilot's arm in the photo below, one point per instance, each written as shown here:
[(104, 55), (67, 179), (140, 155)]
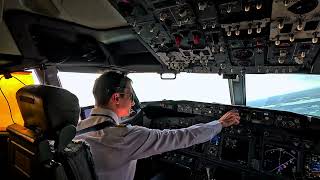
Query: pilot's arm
[(146, 142)]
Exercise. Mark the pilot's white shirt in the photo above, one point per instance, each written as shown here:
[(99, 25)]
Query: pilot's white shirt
[(115, 150)]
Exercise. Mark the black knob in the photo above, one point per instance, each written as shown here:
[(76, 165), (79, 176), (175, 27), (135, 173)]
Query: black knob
[(182, 12)]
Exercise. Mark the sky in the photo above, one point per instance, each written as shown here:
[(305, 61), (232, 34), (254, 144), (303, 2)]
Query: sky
[(195, 87)]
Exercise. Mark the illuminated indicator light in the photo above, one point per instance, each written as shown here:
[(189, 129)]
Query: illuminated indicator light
[(178, 40), (196, 39)]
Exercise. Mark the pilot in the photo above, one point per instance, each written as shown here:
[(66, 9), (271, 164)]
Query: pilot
[(116, 148)]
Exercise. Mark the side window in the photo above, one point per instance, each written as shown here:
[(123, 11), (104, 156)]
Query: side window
[(9, 109), (80, 84)]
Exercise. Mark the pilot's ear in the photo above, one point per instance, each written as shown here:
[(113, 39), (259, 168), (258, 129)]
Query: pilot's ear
[(115, 98)]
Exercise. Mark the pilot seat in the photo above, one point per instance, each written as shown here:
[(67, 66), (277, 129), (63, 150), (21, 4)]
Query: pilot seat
[(44, 147)]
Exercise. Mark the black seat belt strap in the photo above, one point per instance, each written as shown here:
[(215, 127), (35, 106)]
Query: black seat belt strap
[(97, 127)]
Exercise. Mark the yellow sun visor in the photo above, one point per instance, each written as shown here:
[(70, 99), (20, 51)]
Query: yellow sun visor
[(8, 102)]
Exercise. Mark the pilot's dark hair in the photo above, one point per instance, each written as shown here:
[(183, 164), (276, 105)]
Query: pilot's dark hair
[(107, 84)]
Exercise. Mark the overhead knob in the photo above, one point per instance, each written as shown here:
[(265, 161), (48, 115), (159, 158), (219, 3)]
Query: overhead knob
[(229, 31), (162, 42), (182, 12), (204, 26), (186, 20), (307, 146), (283, 53), (314, 37), (250, 28), (163, 17), (139, 29), (158, 34), (247, 7), (291, 37), (152, 26), (237, 30), (213, 49), (298, 60), (281, 24), (281, 60), (299, 26), (221, 49), (229, 8), (277, 42), (202, 5), (259, 28), (259, 5)]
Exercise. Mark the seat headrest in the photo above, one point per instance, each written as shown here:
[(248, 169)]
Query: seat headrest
[(48, 108)]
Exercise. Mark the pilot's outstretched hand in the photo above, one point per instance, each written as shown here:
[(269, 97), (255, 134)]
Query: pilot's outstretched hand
[(230, 118)]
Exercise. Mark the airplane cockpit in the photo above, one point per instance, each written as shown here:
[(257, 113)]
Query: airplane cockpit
[(190, 61)]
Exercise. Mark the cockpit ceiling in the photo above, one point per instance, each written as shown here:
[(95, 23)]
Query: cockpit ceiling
[(47, 41), (224, 36), (97, 14), (77, 11)]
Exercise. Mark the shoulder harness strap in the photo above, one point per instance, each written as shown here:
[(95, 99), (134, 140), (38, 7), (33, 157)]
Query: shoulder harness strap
[(99, 126)]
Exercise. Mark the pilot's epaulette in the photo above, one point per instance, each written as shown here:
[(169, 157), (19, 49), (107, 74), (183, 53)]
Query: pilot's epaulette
[(121, 125)]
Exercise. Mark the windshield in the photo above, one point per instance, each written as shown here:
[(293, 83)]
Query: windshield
[(287, 92), (208, 88)]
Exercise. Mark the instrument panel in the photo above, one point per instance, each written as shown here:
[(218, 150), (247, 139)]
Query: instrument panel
[(266, 144)]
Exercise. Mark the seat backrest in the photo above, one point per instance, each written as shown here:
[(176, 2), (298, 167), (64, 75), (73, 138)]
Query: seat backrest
[(50, 117), (78, 161)]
